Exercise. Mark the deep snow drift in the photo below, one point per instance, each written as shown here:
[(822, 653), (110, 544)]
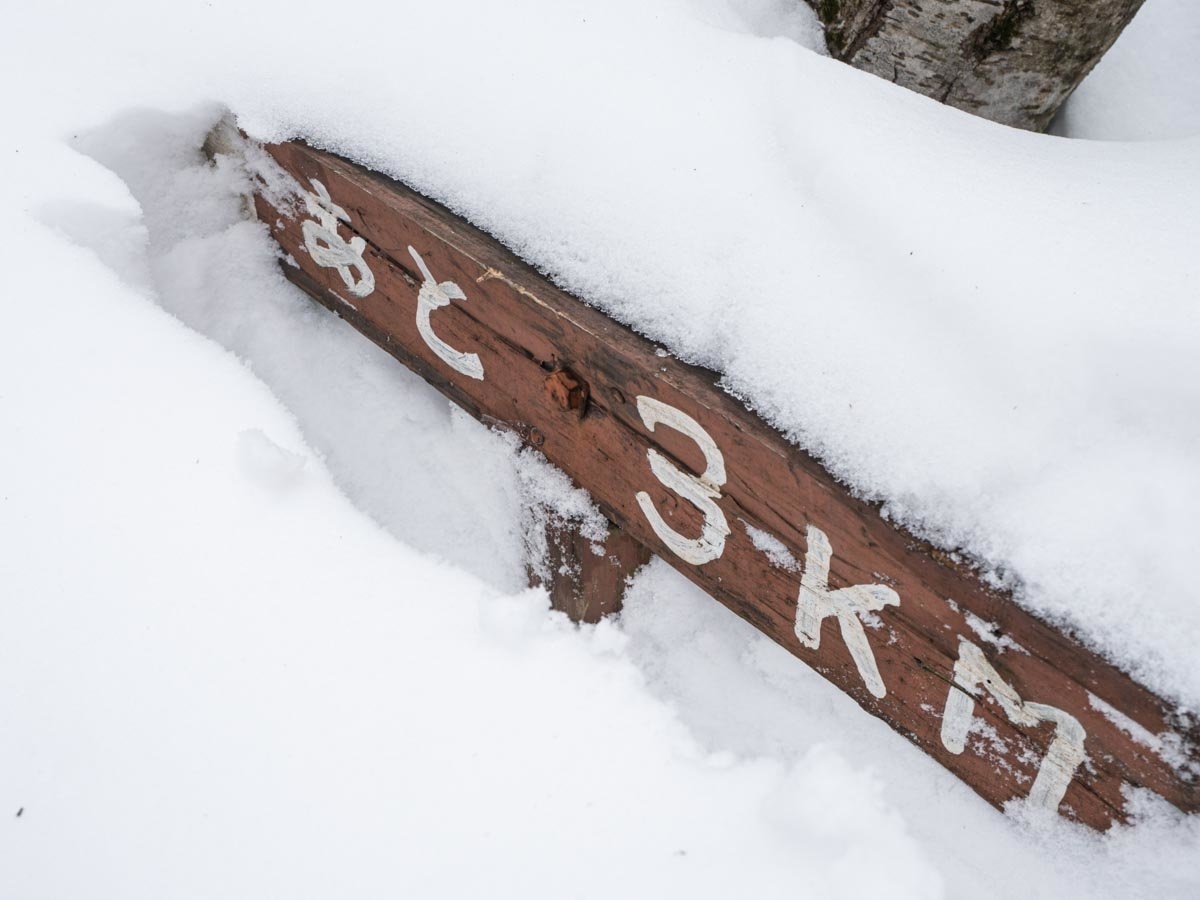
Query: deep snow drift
[(218, 677)]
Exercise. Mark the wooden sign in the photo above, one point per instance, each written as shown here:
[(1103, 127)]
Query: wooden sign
[(1014, 707)]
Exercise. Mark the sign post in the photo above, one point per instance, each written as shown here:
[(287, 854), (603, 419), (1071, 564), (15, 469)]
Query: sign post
[(1014, 707)]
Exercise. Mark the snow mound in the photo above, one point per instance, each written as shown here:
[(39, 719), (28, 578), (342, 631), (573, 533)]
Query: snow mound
[(992, 332), (219, 677)]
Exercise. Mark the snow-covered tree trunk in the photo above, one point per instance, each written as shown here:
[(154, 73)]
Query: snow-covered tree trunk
[(1012, 61)]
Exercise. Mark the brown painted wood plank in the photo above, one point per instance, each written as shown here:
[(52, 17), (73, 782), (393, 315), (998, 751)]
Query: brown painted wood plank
[(520, 329), (586, 580)]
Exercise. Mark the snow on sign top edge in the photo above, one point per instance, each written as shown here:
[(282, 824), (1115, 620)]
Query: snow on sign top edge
[(993, 332)]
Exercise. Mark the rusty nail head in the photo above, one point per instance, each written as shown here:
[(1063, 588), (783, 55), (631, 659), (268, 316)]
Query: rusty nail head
[(568, 390)]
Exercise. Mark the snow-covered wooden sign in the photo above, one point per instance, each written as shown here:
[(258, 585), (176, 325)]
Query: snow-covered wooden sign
[(1013, 706)]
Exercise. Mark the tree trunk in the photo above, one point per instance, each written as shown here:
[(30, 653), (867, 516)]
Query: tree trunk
[(1011, 61)]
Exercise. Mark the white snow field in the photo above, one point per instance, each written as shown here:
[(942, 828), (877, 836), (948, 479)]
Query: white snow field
[(263, 630)]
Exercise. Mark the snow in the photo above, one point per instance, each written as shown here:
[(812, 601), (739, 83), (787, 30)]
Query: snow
[(264, 629), (989, 633), (774, 549)]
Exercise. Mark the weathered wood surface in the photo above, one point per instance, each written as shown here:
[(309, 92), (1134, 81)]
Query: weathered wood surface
[(584, 578), (1012, 61), (495, 331)]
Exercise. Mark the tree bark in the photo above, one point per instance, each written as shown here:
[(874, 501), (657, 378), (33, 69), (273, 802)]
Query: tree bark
[(1011, 61), (688, 471)]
